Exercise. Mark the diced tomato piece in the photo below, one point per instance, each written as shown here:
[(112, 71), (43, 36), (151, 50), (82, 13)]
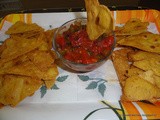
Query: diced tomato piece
[(61, 42)]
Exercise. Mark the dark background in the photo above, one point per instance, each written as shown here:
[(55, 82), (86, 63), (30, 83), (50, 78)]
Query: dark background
[(14, 6)]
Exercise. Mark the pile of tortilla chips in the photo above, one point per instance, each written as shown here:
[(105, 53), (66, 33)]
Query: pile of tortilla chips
[(26, 62), (137, 62), (99, 19)]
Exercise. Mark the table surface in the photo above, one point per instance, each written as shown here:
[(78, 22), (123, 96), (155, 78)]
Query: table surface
[(14, 6)]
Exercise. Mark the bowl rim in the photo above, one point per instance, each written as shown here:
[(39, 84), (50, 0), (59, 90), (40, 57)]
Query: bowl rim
[(80, 64)]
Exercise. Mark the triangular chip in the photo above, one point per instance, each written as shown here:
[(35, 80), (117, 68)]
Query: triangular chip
[(49, 83), (18, 46), (51, 73), (26, 68), (11, 90), (49, 35), (149, 64), (99, 19), (133, 26), (39, 59), (134, 71), (30, 86), (16, 88), (136, 89), (146, 41), (141, 55), (21, 27), (121, 64), (14, 62)]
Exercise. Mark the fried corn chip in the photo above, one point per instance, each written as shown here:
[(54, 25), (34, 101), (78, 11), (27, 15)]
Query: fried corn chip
[(51, 73), (49, 83), (16, 88), (12, 63), (149, 64), (26, 63), (21, 27), (141, 55), (146, 41), (99, 19), (17, 47), (133, 26), (157, 80), (37, 57), (49, 35), (148, 75), (11, 90), (30, 86), (134, 71), (121, 64), (26, 68), (135, 87)]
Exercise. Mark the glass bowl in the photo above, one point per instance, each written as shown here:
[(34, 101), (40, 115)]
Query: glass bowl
[(76, 66)]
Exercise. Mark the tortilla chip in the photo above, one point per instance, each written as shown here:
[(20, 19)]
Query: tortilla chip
[(16, 88), (149, 64), (49, 35), (17, 47), (146, 41), (26, 62), (135, 87), (133, 26), (141, 55), (26, 68), (11, 89), (37, 57), (157, 80), (148, 75), (49, 83), (21, 27), (30, 86), (134, 71), (12, 63), (51, 73), (99, 19), (121, 64)]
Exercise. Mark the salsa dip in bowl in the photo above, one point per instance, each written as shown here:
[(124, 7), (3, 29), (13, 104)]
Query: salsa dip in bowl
[(74, 48)]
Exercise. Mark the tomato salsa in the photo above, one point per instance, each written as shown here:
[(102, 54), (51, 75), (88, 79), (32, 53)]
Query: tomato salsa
[(75, 45)]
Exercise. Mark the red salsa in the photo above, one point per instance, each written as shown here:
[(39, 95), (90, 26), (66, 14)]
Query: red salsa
[(75, 45)]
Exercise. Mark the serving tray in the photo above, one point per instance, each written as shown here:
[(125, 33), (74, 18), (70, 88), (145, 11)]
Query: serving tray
[(80, 96)]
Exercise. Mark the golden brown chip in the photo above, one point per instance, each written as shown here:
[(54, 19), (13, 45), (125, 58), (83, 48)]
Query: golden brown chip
[(49, 35), (133, 26), (26, 68), (146, 41), (11, 90), (16, 88), (121, 63), (51, 73), (17, 47), (157, 80), (136, 89), (141, 55), (30, 86), (149, 64), (26, 62), (49, 83), (21, 27), (148, 75), (14, 62), (39, 59), (134, 71), (99, 19)]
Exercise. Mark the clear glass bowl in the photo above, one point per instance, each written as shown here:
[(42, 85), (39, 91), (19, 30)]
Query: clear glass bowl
[(78, 67)]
